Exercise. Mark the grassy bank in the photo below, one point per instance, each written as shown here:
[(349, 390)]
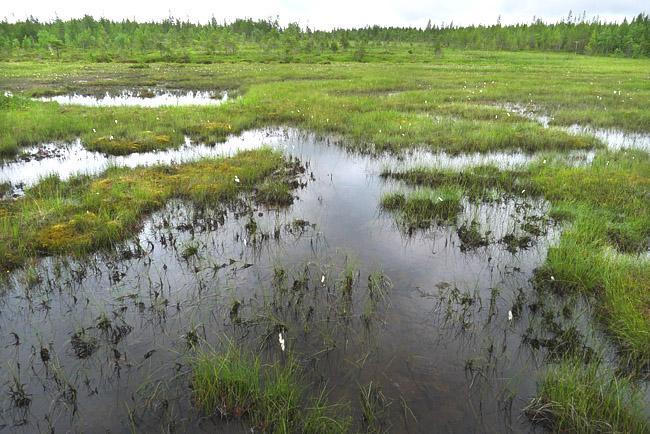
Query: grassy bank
[(454, 103), (86, 213)]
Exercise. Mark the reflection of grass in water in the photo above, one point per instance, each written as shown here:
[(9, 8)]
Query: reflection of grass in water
[(471, 237), (326, 297), (315, 308), (574, 397), (238, 385)]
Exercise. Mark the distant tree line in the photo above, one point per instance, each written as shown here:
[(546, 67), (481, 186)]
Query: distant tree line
[(171, 38)]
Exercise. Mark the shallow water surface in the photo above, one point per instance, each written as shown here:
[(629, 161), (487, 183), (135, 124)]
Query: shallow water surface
[(613, 138), (440, 346), (68, 159), (156, 98)]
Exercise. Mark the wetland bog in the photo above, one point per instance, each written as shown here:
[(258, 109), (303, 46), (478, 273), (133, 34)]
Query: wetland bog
[(460, 244)]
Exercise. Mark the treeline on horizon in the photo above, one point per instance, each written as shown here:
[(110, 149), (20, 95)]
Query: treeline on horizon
[(177, 40)]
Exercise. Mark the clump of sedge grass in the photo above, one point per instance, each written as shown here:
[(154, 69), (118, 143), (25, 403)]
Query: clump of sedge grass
[(237, 385), (424, 207), (83, 344), (378, 287), (574, 397), (190, 250), (374, 407), (144, 141), (19, 395), (274, 192)]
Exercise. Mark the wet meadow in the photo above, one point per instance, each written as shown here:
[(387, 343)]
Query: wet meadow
[(455, 244)]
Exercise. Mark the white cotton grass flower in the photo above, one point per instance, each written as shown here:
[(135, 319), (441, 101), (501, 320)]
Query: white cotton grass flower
[(523, 191), (245, 242), (116, 121), (94, 130), (439, 199), (510, 315), (322, 279), (237, 179), (553, 278), (281, 340), (110, 137)]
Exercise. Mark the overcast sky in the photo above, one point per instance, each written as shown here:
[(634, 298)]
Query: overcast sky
[(324, 14)]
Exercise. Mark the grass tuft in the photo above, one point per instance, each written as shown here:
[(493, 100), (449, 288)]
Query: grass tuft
[(579, 398), (424, 207), (237, 385)]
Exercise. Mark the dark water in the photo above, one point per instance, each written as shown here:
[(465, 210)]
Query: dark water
[(441, 346)]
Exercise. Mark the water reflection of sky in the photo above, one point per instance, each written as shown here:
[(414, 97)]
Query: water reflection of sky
[(135, 99)]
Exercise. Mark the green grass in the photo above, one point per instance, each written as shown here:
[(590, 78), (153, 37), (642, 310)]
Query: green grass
[(234, 384), (87, 213), (449, 104), (477, 182), (579, 398), (144, 141), (5, 188), (424, 207), (452, 103)]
